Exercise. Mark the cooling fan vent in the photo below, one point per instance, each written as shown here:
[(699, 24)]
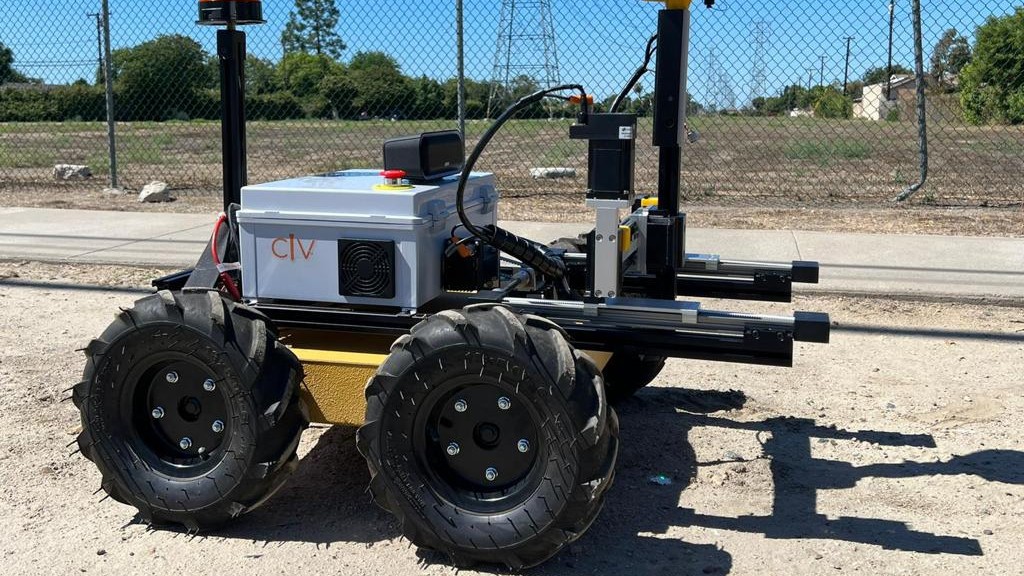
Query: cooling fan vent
[(366, 268)]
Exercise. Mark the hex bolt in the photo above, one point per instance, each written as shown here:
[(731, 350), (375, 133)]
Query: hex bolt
[(453, 449), (185, 443), (158, 412), (209, 385), (523, 445), (172, 377), (490, 474), (218, 426), (461, 406), (504, 403)]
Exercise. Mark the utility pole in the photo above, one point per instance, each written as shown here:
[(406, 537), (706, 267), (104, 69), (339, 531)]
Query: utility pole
[(99, 42), (892, 22), (846, 71), (810, 77), (821, 75), (461, 72), (109, 81)]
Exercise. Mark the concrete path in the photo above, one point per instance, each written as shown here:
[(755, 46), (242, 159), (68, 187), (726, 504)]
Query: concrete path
[(871, 263)]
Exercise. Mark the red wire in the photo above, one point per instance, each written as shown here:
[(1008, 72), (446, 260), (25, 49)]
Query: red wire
[(229, 282)]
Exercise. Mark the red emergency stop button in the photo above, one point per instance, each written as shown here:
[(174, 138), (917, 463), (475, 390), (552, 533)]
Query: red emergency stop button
[(393, 181)]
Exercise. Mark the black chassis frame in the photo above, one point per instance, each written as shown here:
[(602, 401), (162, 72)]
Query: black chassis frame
[(606, 325)]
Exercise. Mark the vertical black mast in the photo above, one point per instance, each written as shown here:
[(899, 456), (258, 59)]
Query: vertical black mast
[(231, 54), (666, 225)]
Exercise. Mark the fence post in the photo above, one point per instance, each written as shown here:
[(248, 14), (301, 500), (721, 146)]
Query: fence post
[(461, 72), (922, 111), (108, 80)]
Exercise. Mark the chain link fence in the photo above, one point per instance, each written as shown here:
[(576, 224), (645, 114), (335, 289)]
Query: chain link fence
[(795, 102)]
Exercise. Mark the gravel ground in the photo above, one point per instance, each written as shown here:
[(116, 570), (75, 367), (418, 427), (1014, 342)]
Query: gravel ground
[(885, 452)]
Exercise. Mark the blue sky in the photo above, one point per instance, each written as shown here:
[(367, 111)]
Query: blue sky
[(599, 41)]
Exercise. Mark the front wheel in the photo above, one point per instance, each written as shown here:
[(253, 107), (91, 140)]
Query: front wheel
[(190, 409), (488, 436)]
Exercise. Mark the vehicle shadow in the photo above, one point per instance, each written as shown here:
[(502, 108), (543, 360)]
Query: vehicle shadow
[(324, 501), (797, 476)]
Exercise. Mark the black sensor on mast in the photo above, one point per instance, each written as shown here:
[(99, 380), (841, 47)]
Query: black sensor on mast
[(231, 55), (230, 12)]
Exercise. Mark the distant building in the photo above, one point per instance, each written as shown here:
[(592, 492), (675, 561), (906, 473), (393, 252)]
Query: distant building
[(874, 105)]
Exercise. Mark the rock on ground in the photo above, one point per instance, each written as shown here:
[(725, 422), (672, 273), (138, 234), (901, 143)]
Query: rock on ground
[(155, 192), (552, 173), (71, 172)]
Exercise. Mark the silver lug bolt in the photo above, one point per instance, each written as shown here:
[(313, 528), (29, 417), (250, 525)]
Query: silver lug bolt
[(209, 385), (218, 426), (172, 377), (490, 474), (185, 443), (158, 412), (504, 403), (453, 449), (523, 445), (461, 406)]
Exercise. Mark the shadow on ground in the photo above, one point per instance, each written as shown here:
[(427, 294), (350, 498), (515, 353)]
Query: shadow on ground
[(326, 500)]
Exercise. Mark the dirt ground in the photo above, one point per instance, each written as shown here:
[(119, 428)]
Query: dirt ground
[(896, 449)]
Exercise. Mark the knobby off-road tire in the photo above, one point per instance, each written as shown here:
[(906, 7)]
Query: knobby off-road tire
[(627, 372), (498, 379), (204, 359)]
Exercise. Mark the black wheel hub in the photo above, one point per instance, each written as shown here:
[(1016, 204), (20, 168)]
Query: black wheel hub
[(180, 412), (482, 438)]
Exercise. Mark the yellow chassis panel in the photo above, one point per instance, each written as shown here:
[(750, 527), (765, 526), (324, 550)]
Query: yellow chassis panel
[(339, 365)]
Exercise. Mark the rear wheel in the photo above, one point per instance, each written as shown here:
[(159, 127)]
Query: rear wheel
[(190, 409), (489, 437), (627, 372)]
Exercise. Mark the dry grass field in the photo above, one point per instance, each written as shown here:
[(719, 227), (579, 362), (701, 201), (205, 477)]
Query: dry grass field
[(773, 172)]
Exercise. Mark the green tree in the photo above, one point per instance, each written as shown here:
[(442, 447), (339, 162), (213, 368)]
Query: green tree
[(951, 54), (381, 88), (260, 76), (477, 94), (992, 85), (428, 97), (301, 73), (831, 103), (312, 29), (162, 78), (880, 74), (7, 71), (340, 94)]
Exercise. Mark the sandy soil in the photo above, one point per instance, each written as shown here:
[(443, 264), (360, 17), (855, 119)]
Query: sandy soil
[(885, 452)]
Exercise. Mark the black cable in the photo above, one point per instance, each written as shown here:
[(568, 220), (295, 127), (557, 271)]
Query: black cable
[(525, 250), (652, 47)]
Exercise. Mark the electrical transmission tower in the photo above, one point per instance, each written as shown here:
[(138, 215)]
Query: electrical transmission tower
[(525, 49), (723, 96), (758, 72)]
